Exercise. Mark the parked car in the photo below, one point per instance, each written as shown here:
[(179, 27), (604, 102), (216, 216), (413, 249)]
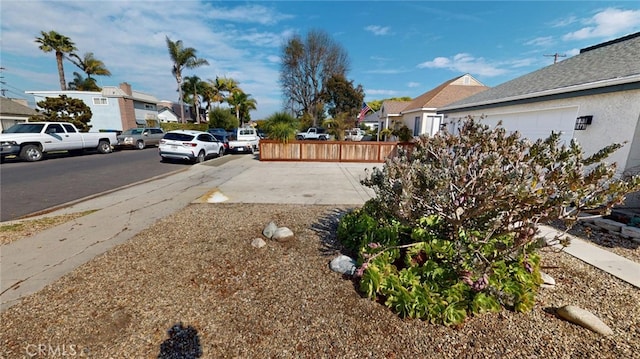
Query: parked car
[(189, 145), (217, 130), (224, 138), (139, 138), (244, 140), (31, 140), (354, 134), (313, 133)]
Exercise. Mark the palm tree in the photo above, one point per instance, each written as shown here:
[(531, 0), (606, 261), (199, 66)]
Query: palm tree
[(193, 88), (79, 83), (242, 104), (182, 58), (89, 65), (52, 41)]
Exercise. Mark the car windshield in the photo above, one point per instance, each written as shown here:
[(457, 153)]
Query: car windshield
[(25, 128), (133, 131), (178, 136)]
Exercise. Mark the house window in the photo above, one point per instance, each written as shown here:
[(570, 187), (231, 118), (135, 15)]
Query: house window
[(416, 126), (149, 107), (100, 101)]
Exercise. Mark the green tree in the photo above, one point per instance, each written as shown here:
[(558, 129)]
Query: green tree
[(342, 97), (281, 126), (193, 89), (64, 109), (338, 124), (90, 66), (60, 44), (80, 83), (222, 118), (307, 64), (242, 103), (214, 91), (183, 58)]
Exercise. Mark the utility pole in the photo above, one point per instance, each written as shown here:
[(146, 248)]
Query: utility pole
[(555, 56), (2, 90)]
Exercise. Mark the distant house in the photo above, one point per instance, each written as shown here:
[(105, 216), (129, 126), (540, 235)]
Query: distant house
[(113, 108), (166, 115), (593, 97), (421, 116), (14, 111), (189, 114)]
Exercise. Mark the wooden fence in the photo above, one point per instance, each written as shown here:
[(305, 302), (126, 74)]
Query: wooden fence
[(326, 151)]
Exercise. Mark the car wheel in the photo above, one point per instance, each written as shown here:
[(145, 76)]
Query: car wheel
[(104, 147), (200, 157), (31, 153), (220, 152), (140, 145)]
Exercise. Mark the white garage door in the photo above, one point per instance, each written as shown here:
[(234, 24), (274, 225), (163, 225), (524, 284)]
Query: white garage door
[(538, 124)]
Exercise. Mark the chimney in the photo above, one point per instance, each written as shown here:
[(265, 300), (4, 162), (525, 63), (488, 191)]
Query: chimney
[(126, 88)]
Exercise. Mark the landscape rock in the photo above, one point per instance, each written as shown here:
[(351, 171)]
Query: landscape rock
[(547, 280), (631, 232), (343, 264), (584, 318), (608, 224), (282, 234), (258, 242), (269, 229)]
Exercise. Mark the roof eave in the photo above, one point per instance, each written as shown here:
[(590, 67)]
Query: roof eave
[(561, 90)]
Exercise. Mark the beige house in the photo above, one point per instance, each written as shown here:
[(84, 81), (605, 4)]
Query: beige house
[(420, 114), (13, 111)]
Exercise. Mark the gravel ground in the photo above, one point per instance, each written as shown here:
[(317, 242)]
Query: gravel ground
[(197, 267)]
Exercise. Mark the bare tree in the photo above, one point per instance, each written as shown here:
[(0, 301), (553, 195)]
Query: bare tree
[(307, 63)]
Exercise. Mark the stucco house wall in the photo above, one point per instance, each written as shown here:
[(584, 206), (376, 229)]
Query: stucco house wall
[(105, 111), (114, 108), (615, 120)]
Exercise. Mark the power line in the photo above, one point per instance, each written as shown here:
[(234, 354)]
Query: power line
[(555, 56)]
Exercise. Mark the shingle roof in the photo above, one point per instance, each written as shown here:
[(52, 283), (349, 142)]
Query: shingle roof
[(448, 92), (596, 66), (9, 107), (394, 107)]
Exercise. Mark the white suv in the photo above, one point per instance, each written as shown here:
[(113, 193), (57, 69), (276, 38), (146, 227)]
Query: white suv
[(189, 145)]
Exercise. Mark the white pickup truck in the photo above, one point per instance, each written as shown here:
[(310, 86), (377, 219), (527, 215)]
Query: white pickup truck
[(30, 140), (244, 140), (313, 133)]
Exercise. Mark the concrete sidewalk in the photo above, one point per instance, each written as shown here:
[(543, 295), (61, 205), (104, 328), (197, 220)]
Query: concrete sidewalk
[(26, 266)]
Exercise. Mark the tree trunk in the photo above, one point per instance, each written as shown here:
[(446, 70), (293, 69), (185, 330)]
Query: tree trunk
[(63, 83)]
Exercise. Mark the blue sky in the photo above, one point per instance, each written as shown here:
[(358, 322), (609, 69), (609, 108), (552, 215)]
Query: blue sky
[(396, 48)]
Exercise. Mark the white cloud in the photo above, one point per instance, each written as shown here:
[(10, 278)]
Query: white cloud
[(378, 30), (607, 23), (564, 21), (247, 14), (543, 41), (130, 38), (413, 84), (464, 63), (391, 93)]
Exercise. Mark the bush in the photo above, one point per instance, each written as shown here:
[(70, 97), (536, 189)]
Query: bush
[(281, 126), (452, 229)]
